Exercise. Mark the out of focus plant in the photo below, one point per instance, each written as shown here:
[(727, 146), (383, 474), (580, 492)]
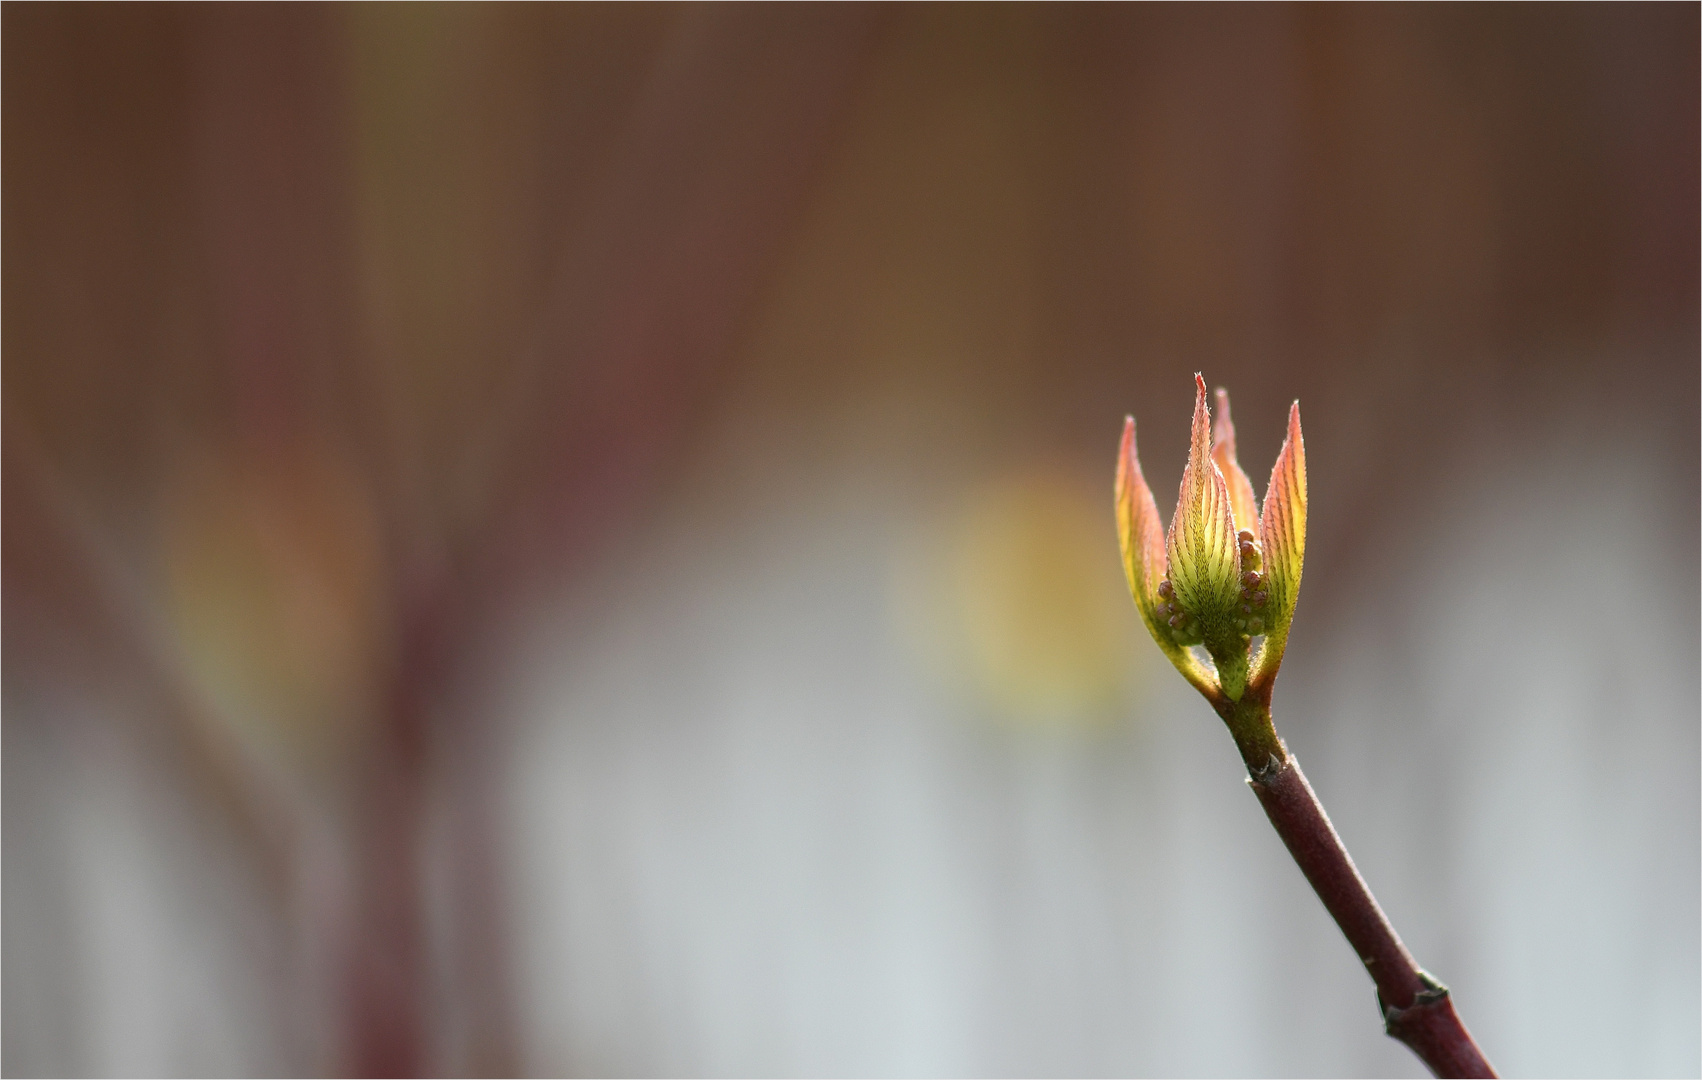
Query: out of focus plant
[(1218, 592)]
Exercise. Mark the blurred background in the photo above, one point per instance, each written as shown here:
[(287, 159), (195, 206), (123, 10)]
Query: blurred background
[(577, 539)]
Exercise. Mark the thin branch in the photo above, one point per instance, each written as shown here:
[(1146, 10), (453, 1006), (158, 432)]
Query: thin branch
[(1417, 1009)]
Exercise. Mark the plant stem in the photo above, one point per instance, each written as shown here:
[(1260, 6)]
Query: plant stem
[(1416, 1008)]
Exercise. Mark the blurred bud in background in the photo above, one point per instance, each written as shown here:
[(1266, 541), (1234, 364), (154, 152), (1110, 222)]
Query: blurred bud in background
[(275, 584), (1009, 603)]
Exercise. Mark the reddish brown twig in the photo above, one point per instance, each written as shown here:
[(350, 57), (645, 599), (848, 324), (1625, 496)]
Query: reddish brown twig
[(1416, 1008)]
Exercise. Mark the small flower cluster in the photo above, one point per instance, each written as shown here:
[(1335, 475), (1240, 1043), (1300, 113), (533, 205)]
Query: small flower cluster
[(1254, 599), (1185, 629), (1227, 571)]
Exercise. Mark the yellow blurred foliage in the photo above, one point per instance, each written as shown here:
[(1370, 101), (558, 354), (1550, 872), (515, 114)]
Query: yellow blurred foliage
[(1027, 611), (273, 571)]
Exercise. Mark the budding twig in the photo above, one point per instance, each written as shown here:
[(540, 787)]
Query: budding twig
[(1228, 572)]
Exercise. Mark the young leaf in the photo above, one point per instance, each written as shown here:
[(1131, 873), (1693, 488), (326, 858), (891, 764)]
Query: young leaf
[(1139, 532), (1242, 502), (1205, 562), (1283, 530)]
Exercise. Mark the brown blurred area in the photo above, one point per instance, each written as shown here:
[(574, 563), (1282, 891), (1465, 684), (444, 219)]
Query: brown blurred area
[(373, 373)]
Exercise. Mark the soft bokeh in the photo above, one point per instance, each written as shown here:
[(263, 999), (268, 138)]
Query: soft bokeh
[(577, 539)]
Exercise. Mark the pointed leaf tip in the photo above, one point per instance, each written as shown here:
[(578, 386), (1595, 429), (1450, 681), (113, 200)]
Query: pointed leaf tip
[(1128, 462), (1222, 428), (1242, 502)]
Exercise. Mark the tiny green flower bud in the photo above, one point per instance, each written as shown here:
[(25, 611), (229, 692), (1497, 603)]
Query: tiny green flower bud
[(1227, 569)]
